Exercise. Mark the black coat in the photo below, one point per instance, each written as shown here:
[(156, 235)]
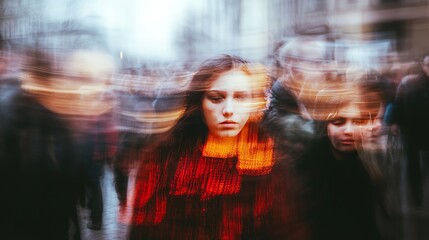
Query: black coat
[(412, 110), (338, 196), (39, 175)]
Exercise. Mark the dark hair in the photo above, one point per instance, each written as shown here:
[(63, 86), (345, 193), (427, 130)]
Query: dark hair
[(363, 87)]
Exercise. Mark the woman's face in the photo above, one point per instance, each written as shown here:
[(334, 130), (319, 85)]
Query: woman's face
[(371, 133), (343, 129), (226, 104)]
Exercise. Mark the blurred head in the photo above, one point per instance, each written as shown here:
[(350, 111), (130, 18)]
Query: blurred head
[(355, 112), (304, 58), (310, 59), (224, 94), (343, 126), (309, 66), (74, 86), (372, 96)]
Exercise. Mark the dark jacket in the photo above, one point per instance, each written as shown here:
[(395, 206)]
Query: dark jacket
[(412, 110), (338, 196), (39, 176)]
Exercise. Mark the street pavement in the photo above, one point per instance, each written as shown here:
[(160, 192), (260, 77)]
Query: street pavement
[(111, 228)]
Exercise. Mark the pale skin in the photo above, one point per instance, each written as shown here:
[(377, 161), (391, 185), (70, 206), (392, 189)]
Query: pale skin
[(374, 127), (226, 104), (343, 128)]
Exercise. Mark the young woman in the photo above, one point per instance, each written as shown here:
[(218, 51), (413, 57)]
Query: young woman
[(210, 177), (335, 190)]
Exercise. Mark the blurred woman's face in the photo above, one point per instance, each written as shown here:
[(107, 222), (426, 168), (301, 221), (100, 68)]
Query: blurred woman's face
[(342, 130), (371, 133), (226, 104)]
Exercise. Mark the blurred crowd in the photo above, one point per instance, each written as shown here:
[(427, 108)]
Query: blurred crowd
[(339, 150)]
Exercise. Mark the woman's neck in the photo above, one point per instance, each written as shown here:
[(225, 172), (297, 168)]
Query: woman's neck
[(226, 140)]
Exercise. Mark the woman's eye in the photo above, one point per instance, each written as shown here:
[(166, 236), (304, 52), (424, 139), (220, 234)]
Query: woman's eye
[(338, 122), (215, 99), (242, 96), (360, 122)]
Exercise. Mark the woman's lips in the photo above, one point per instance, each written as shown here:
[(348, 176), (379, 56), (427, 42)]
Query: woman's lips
[(229, 124), (347, 142)]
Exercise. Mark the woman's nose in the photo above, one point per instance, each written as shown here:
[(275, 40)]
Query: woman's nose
[(348, 128), (228, 109)]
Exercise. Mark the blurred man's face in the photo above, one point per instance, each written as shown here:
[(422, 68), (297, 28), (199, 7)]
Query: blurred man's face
[(80, 90), (309, 69), (306, 60)]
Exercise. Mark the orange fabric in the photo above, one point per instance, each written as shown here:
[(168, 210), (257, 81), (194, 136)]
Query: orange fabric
[(255, 157), (216, 148)]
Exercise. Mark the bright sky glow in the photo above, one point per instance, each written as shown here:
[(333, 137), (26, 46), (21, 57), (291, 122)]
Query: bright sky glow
[(146, 28)]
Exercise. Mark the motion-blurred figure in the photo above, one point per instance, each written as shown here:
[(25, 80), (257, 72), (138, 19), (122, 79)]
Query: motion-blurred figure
[(337, 178), (412, 117), (149, 105), (88, 104), (135, 95), (308, 66), (40, 174), (210, 176), (334, 190)]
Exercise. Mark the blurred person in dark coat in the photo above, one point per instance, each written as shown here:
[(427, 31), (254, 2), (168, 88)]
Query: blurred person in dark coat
[(85, 100), (412, 116), (40, 176)]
